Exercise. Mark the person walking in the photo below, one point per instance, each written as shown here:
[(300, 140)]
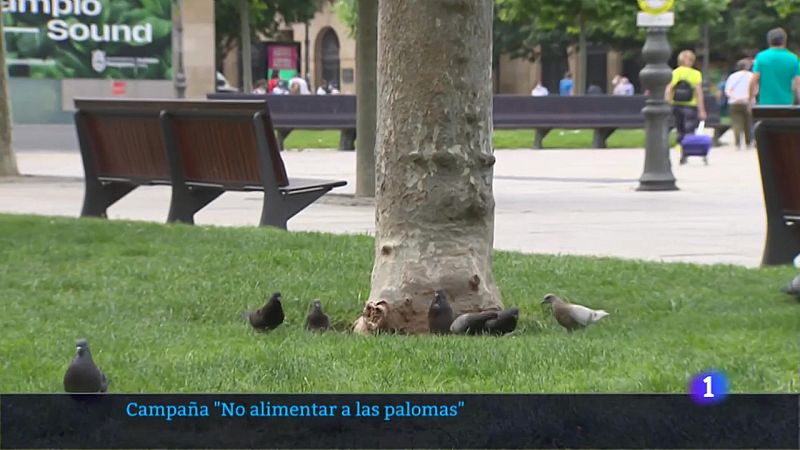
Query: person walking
[(776, 72), (273, 81), (566, 86), (737, 89), (685, 92)]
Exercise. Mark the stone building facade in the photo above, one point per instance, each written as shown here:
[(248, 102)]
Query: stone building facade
[(332, 54)]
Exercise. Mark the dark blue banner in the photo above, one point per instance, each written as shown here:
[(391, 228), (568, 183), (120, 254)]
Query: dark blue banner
[(396, 421)]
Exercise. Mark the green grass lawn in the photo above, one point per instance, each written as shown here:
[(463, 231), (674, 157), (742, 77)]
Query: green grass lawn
[(503, 139), (161, 308)]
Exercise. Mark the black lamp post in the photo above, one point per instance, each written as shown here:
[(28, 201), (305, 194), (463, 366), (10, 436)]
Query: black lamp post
[(655, 76)]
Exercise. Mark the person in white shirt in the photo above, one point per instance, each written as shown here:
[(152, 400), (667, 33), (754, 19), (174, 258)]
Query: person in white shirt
[(261, 87), (622, 86), (301, 83), (539, 90), (737, 90), (322, 89), (282, 88)]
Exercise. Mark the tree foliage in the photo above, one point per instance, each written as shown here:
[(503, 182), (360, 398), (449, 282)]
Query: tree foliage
[(265, 17), (743, 30), (347, 12), (610, 22), (785, 8)]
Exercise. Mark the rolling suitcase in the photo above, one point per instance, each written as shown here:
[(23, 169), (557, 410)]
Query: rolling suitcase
[(697, 144)]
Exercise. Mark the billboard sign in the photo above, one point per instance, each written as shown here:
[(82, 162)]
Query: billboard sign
[(283, 57), (120, 39)]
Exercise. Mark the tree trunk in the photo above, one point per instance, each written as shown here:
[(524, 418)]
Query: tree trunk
[(435, 207), (366, 96), (580, 79), (8, 162), (247, 57)]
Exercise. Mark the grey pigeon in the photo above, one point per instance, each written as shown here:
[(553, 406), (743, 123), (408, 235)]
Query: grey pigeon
[(506, 322), (472, 323), (82, 374), (793, 288), (440, 314), (270, 316), (572, 316), (316, 320)]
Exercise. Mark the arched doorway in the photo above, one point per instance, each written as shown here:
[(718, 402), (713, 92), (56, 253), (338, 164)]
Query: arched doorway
[(328, 57)]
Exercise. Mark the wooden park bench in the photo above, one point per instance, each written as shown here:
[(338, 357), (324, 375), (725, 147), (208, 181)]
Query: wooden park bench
[(200, 148), (312, 112), (603, 114), (778, 143)]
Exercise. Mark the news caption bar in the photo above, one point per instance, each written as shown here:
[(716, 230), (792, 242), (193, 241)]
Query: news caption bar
[(227, 421)]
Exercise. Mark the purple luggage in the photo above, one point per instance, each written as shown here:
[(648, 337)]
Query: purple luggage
[(695, 145)]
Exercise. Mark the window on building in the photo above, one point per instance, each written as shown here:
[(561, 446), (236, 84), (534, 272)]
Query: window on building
[(330, 57)]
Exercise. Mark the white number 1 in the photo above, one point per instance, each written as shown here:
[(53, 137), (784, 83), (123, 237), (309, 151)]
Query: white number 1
[(709, 393)]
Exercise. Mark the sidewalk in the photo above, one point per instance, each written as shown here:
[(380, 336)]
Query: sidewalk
[(548, 201)]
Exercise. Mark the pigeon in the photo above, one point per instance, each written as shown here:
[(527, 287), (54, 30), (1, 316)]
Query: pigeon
[(472, 323), (82, 374), (505, 322), (316, 320), (440, 314), (572, 316), (793, 288), (270, 316)]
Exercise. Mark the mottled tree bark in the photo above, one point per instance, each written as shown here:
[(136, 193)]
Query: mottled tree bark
[(434, 201), (8, 162)]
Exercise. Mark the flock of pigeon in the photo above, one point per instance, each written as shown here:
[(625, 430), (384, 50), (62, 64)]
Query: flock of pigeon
[(83, 375), (441, 319)]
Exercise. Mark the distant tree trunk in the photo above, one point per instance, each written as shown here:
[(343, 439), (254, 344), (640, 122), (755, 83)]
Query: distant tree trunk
[(580, 77), (246, 55), (8, 162), (435, 206), (366, 96)]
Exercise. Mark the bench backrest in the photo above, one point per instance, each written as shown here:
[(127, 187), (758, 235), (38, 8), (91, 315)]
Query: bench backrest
[(509, 111), (225, 149), (589, 110), (122, 143), (217, 141), (778, 130), (304, 111)]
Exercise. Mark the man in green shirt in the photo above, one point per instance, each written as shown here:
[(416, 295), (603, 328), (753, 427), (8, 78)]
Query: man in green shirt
[(776, 72)]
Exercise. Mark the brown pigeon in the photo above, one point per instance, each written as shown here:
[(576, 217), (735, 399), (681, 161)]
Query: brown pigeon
[(270, 316), (440, 314), (505, 322), (316, 320), (472, 323), (572, 316), (82, 374)]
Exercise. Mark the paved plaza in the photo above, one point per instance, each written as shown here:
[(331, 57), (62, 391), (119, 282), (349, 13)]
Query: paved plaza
[(579, 202)]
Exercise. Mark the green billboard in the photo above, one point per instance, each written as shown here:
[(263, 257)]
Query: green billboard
[(119, 39)]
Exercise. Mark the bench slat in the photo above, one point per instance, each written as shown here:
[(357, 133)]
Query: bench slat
[(128, 146)]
